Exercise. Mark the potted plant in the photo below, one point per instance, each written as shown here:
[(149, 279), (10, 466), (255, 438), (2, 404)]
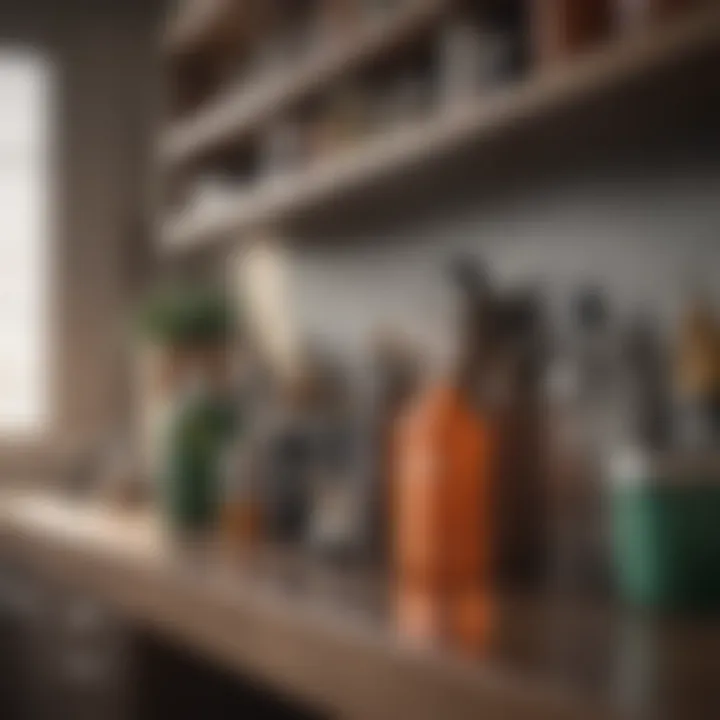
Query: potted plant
[(186, 333)]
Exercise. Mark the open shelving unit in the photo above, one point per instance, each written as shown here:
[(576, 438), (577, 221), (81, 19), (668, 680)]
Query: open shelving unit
[(242, 110), (516, 107)]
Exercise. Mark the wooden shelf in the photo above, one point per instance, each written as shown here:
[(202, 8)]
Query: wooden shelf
[(241, 111), (520, 105)]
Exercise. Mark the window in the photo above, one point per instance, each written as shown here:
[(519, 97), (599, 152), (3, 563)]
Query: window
[(24, 242)]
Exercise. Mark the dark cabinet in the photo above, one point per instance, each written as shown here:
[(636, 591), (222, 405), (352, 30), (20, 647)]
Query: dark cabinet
[(13, 698), (173, 683), (65, 656), (62, 655)]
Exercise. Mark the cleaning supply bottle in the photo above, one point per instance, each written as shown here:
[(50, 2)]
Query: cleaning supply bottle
[(442, 506)]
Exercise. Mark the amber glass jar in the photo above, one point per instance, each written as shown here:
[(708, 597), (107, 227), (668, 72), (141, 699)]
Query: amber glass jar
[(563, 28)]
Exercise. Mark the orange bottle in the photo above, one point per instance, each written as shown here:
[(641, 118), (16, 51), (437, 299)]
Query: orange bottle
[(442, 518), (442, 485)]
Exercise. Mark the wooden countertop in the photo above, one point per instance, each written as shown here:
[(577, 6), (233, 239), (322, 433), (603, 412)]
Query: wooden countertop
[(326, 638)]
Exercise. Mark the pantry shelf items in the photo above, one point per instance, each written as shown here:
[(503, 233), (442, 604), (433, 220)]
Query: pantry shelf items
[(316, 108)]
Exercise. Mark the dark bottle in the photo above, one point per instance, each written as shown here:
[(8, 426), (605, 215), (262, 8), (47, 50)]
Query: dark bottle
[(646, 386), (584, 412), (286, 460), (391, 380), (517, 411)]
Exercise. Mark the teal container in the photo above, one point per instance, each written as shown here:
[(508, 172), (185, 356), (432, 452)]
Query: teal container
[(666, 534)]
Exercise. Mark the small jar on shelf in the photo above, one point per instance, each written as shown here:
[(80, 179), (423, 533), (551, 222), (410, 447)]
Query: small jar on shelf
[(340, 122), (479, 47), (638, 15), (562, 29), (284, 145)]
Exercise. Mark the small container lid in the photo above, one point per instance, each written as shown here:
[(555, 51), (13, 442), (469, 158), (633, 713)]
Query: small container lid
[(634, 467)]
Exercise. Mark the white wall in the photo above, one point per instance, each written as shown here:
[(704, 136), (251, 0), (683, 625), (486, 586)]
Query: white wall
[(643, 226)]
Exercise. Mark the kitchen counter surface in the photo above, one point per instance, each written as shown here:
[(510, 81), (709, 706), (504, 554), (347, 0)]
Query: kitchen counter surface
[(325, 637)]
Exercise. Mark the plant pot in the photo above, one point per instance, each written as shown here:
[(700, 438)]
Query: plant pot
[(163, 371)]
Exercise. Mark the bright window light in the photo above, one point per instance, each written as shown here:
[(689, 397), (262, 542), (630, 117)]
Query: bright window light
[(25, 113)]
